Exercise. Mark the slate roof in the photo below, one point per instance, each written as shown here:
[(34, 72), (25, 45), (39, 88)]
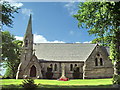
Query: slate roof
[(63, 51)]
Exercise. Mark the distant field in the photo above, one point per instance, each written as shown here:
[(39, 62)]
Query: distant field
[(58, 84)]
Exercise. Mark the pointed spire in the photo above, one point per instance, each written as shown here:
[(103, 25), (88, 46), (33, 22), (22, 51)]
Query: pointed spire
[(29, 27)]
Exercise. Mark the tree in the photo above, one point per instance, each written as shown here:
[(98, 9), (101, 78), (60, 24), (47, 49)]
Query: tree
[(104, 41), (6, 16), (11, 49), (103, 19), (7, 13)]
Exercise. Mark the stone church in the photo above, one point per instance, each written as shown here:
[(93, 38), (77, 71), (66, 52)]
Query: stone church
[(45, 60)]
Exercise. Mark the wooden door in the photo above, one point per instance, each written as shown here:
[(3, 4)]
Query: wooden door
[(33, 71)]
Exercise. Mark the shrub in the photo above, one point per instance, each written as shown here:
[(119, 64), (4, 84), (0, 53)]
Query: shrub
[(49, 69), (6, 77), (1, 77), (116, 79), (76, 73), (49, 75), (76, 69), (29, 84)]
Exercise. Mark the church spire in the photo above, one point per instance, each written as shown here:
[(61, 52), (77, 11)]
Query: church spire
[(28, 37), (29, 27)]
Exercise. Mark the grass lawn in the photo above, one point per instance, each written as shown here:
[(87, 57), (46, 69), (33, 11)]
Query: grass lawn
[(73, 83)]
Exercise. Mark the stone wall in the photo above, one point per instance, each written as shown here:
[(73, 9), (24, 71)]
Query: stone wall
[(57, 74), (99, 71), (47, 64), (69, 73), (33, 62)]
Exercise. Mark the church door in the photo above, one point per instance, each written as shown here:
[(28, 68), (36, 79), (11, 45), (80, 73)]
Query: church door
[(33, 71)]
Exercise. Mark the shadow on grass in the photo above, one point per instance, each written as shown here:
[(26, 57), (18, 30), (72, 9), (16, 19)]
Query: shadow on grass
[(11, 87), (54, 87)]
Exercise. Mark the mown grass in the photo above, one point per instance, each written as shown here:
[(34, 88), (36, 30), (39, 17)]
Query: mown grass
[(73, 83)]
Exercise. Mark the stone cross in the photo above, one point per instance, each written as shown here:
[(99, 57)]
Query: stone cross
[(63, 71)]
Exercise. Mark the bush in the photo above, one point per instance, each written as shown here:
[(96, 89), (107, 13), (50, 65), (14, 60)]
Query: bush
[(49, 75), (76, 75), (6, 77), (1, 77), (49, 69), (29, 84), (116, 79), (76, 69)]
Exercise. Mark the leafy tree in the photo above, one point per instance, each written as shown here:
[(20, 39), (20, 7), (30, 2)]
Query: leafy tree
[(7, 13), (11, 49), (6, 16), (103, 19), (104, 41)]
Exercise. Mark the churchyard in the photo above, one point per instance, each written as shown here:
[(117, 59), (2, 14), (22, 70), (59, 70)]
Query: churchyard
[(72, 83)]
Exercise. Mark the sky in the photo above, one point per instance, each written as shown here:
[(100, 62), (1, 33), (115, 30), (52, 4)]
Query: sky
[(52, 22)]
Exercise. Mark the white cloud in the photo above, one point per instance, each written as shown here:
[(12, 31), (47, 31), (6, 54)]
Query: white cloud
[(77, 42), (87, 42), (19, 38), (40, 39), (14, 3), (84, 42), (71, 7), (26, 11), (17, 4), (56, 41)]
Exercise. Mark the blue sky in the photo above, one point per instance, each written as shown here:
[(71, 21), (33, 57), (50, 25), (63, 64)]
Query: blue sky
[(51, 22)]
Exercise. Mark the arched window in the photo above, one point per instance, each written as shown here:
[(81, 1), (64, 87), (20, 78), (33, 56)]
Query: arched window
[(98, 54), (26, 43), (55, 67), (96, 62), (101, 62), (71, 67), (75, 65), (33, 71), (51, 66)]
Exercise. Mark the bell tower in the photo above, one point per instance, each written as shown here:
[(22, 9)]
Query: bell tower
[(28, 42), (27, 50)]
